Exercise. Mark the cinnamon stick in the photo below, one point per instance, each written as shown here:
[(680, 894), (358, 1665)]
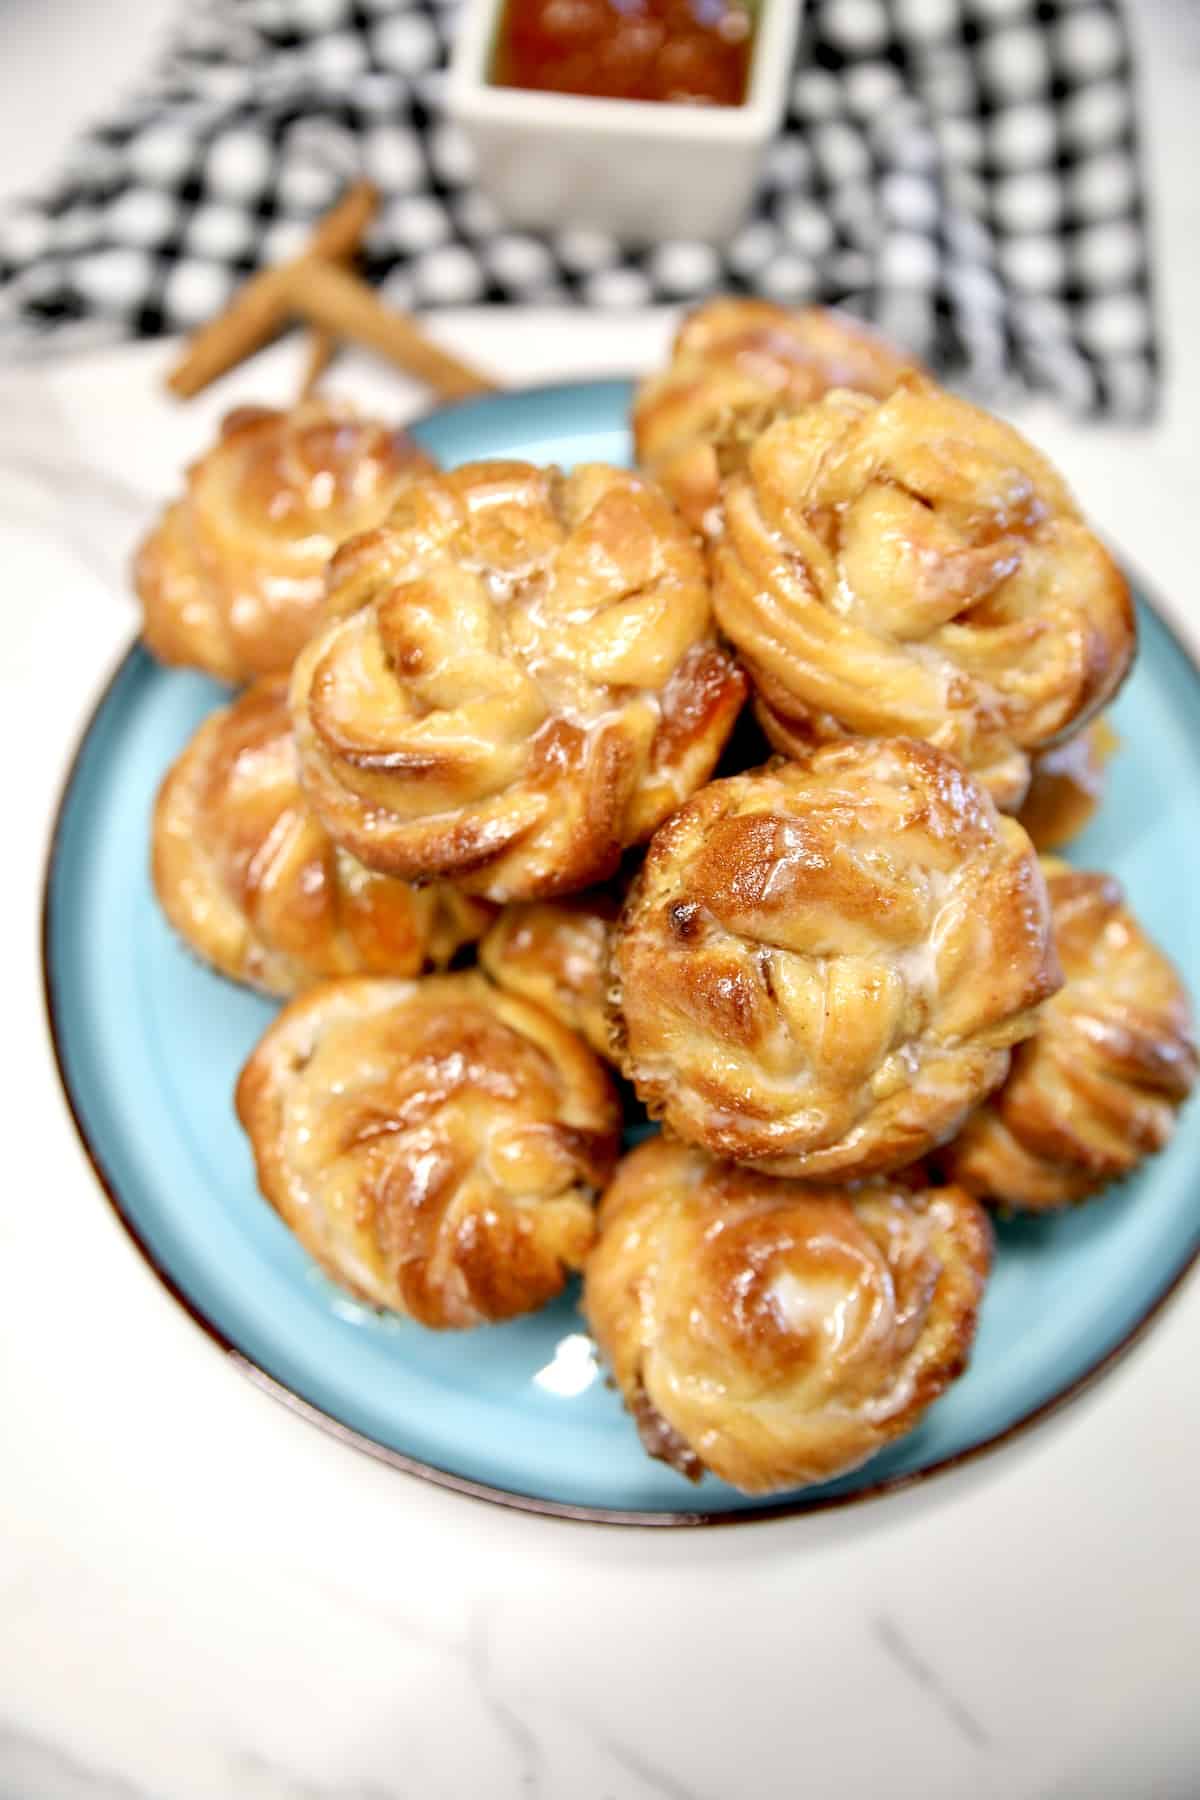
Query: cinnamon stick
[(261, 307), (322, 348), (340, 303)]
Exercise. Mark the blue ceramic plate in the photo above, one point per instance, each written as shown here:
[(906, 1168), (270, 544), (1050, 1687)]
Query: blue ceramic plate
[(150, 1044)]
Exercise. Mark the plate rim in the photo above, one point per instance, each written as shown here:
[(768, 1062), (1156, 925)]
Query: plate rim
[(348, 1435)]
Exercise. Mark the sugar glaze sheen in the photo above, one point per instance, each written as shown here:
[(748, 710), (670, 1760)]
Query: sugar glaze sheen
[(823, 964)]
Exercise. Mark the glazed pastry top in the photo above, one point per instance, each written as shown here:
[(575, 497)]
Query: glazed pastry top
[(912, 566), (556, 953), (517, 679), (249, 878), (436, 1145), (1099, 1085), (737, 364), (771, 1333), (233, 576), (823, 964)]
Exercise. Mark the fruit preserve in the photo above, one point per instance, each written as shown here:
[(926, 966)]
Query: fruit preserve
[(692, 51)]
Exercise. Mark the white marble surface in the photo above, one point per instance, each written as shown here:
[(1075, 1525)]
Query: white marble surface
[(202, 1597)]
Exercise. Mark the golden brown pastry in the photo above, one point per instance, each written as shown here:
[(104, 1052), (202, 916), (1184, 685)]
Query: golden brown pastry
[(736, 365), (248, 877), (555, 952), (232, 577), (519, 678), (436, 1145), (822, 964), (1099, 1085), (775, 1334), (913, 567), (1068, 785)]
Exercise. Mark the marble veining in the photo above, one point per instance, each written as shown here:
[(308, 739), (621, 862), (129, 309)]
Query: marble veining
[(35, 1768), (905, 1657), (529, 1760), (252, 1774), (656, 1780)]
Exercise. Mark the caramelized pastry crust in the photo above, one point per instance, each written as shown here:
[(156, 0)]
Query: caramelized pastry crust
[(774, 1334), (232, 577), (436, 1145), (556, 953), (822, 965), (1099, 1085), (1068, 785), (249, 879), (518, 679), (912, 567), (735, 366)]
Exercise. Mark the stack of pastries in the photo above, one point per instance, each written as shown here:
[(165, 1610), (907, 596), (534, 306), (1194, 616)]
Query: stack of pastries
[(481, 818)]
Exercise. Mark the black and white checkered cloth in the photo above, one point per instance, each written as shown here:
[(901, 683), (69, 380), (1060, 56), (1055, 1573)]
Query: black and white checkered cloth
[(964, 172)]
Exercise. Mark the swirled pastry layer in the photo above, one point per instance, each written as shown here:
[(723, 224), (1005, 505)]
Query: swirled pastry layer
[(822, 965), (913, 567), (1067, 785), (519, 678), (248, 877), (436, 1145), (1099, 1085), (232, 577), (736, 365), (774, 1334), (555, 952)]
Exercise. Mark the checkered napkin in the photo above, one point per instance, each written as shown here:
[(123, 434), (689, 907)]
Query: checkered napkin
[(964, 172)]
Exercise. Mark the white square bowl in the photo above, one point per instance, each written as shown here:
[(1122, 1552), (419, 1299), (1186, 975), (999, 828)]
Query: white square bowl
[(642, 170)]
